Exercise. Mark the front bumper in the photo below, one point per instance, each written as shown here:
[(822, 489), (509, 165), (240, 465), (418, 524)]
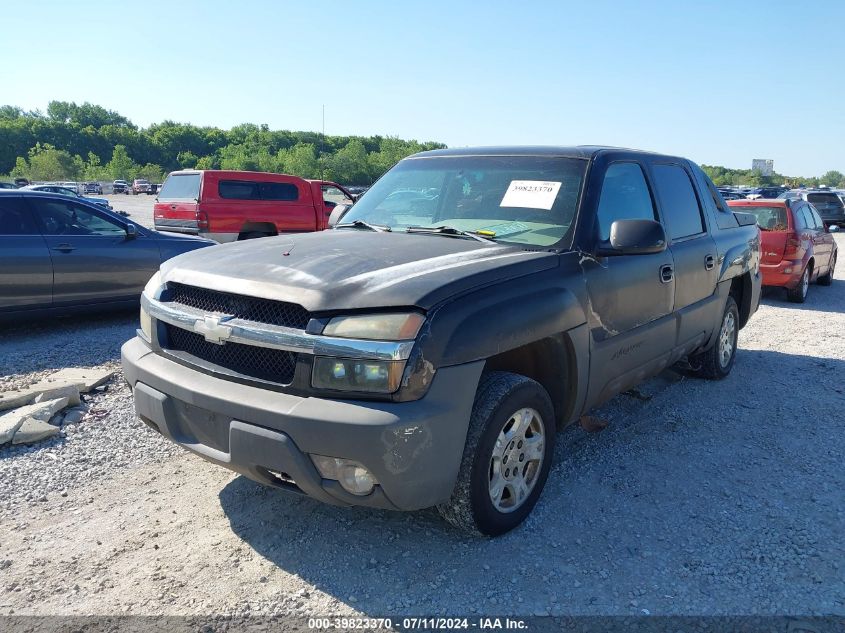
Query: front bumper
[(413, 449)]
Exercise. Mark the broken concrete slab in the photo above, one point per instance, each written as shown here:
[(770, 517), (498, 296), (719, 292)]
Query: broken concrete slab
[(8, 425), (87, 379), (11, 422), (40, 392), (33, 430), (69, 391)]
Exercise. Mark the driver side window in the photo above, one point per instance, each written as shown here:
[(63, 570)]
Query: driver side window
[(58, 217), (624, 196)]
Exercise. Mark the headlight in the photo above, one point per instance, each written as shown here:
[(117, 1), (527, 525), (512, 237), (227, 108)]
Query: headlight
[(150, 290), (343, 374), (379, 327)]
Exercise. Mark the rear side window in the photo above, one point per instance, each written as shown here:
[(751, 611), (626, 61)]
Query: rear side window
[(15, 218), (800, 217), (817, 219), (238, 190), (255, 190), (180, 187), (678, 201), (624, 196), (278, 191)]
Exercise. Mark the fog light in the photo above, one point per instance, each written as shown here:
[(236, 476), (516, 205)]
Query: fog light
[(351, 475), (787, 271)]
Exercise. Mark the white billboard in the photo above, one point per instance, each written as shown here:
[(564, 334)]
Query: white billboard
[(765, 166)]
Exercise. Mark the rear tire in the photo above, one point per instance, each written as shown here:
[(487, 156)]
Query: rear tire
[(799, 293), (716, 363), (828, 278), (512, 423)]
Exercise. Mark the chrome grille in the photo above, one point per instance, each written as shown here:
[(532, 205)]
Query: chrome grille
[(240, 306), (264, 363)]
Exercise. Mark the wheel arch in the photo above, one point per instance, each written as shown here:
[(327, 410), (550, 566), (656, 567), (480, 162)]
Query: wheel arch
[(551, 362), (258, 227), (741, 291)]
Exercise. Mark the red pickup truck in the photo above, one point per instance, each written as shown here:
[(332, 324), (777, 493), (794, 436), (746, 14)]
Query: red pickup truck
[(237, 205)]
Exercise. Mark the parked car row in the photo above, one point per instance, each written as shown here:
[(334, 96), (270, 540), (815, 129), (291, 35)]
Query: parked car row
[(740, 193), (68, 192)]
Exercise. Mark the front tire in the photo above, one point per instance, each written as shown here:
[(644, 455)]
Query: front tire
[(507, 456), (716, 363), (799, 293)]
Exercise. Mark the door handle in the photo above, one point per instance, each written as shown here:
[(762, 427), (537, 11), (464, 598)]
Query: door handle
[(709, 262), (65, 248), (666, 273), (172, 207)]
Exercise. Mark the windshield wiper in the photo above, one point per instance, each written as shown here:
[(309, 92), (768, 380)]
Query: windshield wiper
[(448, 230), (360, 224)]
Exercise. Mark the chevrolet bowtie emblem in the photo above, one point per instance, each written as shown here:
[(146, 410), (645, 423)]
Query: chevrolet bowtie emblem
[(213, 330)]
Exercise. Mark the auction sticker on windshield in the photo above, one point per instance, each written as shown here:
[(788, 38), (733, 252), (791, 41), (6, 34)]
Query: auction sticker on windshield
[(531, 194)]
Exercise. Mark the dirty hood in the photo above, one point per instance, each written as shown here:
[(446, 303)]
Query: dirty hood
[(347, 269)]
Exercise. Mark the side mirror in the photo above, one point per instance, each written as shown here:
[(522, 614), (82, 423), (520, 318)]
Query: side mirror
[(131, 231), (337, 213), (634, 237), (833, 228)]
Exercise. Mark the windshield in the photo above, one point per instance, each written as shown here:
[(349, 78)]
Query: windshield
[(825, 200), (529, 200), (180, 187)]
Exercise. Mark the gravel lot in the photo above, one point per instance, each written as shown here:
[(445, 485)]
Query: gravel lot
[(139, 208), (699, 498)]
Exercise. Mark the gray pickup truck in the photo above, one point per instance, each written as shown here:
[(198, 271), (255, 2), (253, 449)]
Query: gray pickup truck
[(425, 350)]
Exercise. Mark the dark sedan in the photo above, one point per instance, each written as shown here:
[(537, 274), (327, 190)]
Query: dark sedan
[(61, 255)]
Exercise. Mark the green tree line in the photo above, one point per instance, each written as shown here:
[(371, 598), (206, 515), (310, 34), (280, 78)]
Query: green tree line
[(751, 178), (88, 142)]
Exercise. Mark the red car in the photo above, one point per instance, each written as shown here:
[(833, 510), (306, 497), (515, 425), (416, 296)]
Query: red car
[(797, 249), (236, 205)]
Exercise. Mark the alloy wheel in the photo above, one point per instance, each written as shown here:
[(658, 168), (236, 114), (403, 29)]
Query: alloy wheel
[(726, 339), (517, 459)]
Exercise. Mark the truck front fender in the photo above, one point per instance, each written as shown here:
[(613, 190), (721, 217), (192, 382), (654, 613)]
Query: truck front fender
[(494, 320)]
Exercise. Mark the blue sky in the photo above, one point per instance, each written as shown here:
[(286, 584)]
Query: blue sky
[(718, 82)]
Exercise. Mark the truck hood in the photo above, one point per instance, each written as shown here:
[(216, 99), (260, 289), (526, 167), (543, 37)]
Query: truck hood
[(348, 269)]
